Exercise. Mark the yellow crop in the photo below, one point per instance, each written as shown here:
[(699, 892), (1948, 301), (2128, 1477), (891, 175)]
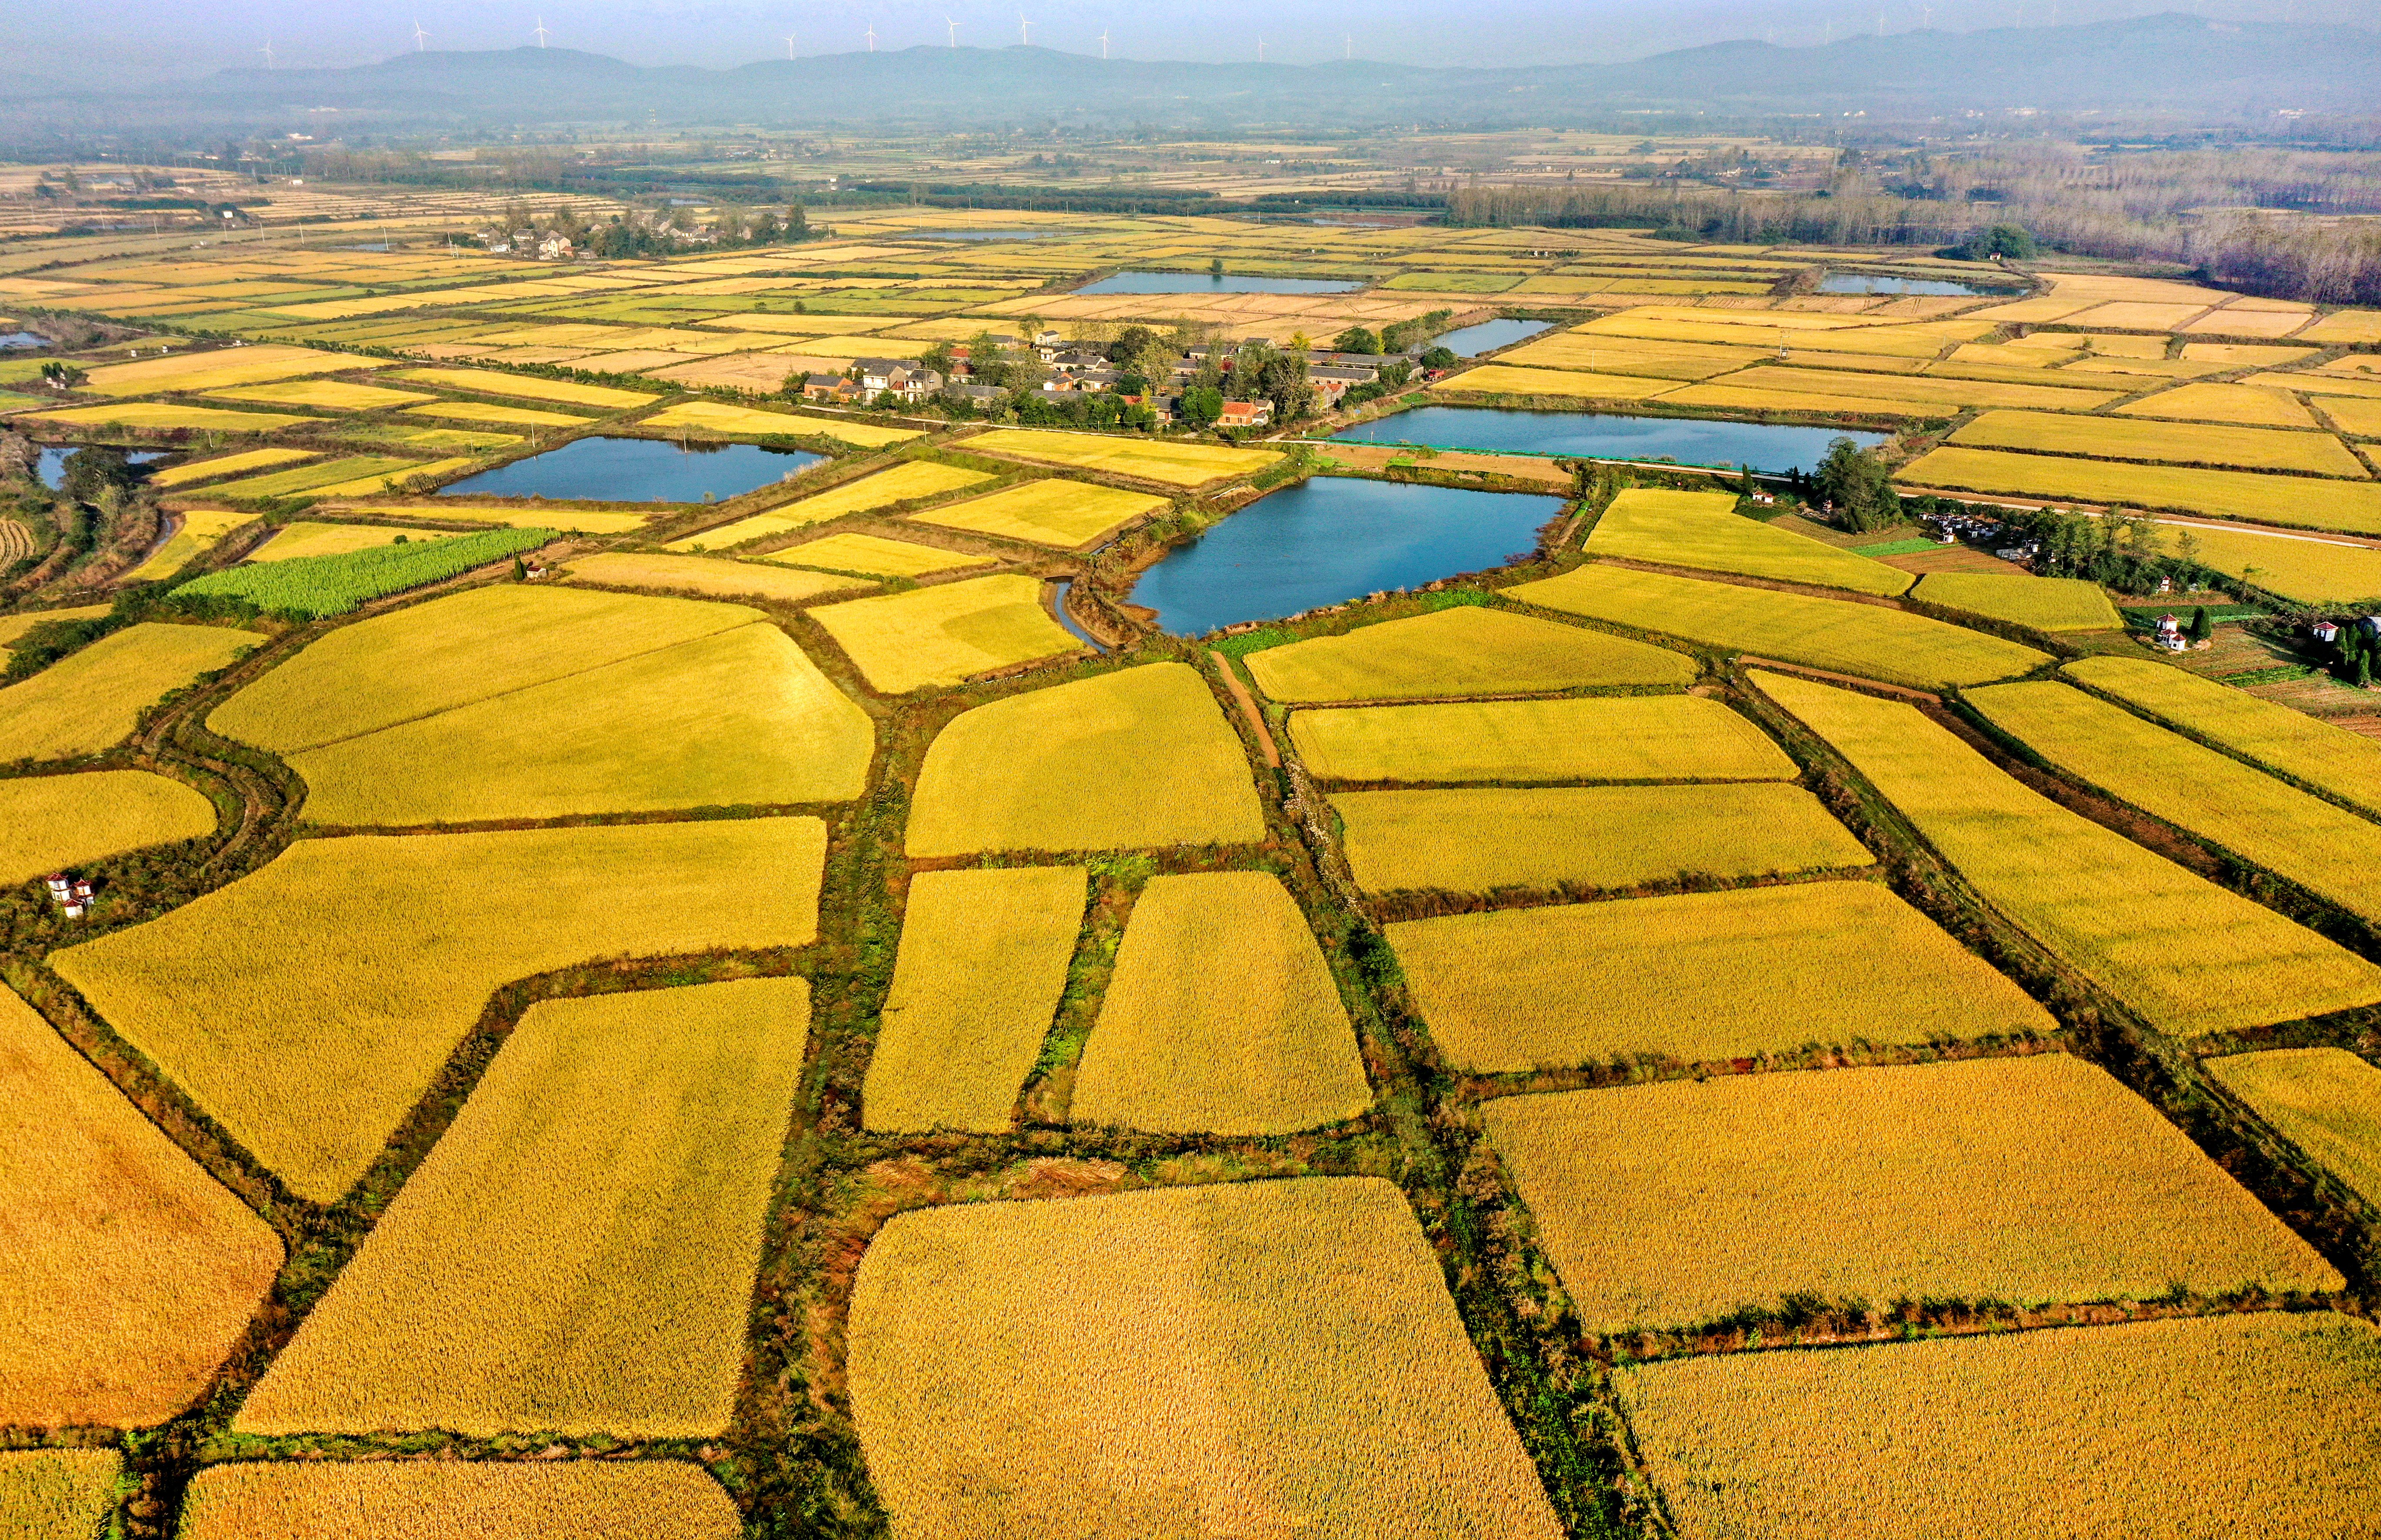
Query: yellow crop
[(1869, 639), (1260, 1358), (225, 465), (372, 483), (2346, 764), (2190, 957), (1175, 463), (224, 366), (577, 1252), (307, 1006), (1616, 738), (719, 577), (1131, 760), (2036, 1181), (198, 530), (1468, 650), (898, 485), (57, 1493), (2223, 403), (1841, 963), (943, 634), (1053, 511), (1932, 395), (304, 539), (2046, 604), (1628, 355), (490, 382), (2298, 501), (1478, 840), (1704, 529), (2325, 1101), (14, 625), (325, 395), (982, 963), (412, 1499), (719, 417), (128, 1272), (166, 414), (874, 556), (481, 411), (2326, 850), (323, 474), (2170, 443), (2097, 1431), (1221, 1017), (90, 701), (2304, 568), (537, 515), (49, 822)]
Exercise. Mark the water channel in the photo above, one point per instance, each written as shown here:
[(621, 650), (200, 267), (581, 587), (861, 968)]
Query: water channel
[(1770, 446), (1877, 283), (1470, 342), (637, 471)]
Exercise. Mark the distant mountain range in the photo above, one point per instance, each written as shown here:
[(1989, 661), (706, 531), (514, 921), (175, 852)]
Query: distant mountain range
[(2184, 65)]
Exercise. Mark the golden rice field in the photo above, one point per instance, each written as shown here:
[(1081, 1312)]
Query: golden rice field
[(1468, 650), (537, 515), (2044, 604), (482, 411), (2245, 403), (874, 556), (1704, 529), (323, 396), (469, 646), (375, 482), (717, 577), (14, 625), (490, 382), (1221, 1017), (227, 465), (196, 531), (2354, 416), (90, 701), (1842, 963), (2291, 500), (2170, 442), (1850, 390), (2325, 1101), (947, 634), (375, 469), (1052, 512), (900, 483), (226, 366), (577, 1253), (719, 417), (2326, 849), (414, 1499), (307, 1006), (2346, 764), (738, 717), (304, 539), (2035, 1180), (167, 414), (128, 1272), (2107, 1428), (1624, 738), (58, 1493), (1260, 1358), (758, 526), (1867, 639), (1173, 463), (1480, 840), (2309, 569), (1503, 379), (1135, 759), (2190, 957), (58, 822), (982, 966)]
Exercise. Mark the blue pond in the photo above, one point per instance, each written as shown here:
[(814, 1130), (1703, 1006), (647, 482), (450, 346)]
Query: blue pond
[(22, 339), (1872, 283), (52, 466), (1335, 538), (1608, 435), (1487, 336), (1205, 283), (636, 471)]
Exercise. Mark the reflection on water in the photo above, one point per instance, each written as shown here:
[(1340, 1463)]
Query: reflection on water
[(637, 471), (1608, 435)]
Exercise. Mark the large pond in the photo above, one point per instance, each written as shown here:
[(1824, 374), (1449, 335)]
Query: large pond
[(51, 465), (1608, 435), (1470, 342), (1874, 283), (1207, 283), (1334, 538), (637, 471)]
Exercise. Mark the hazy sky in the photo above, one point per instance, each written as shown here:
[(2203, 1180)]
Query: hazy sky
[(187, 36)]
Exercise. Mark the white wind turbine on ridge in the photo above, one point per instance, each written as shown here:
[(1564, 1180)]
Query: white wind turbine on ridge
[(540, 32), (955, 31), (421, 38)]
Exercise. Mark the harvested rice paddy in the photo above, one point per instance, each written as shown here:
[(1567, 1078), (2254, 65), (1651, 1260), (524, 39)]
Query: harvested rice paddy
[(1868, 640), (307, 1006), (128, 1272), (57, 1493), (1704, 529), (982, 966), (2044, 604), (489, 382), (1221, 1017), (2325, 1101), (1136, 758), (901, 483), (90, 700), (1052, 512), (716, 577), (2296, 501), (946, 633), (1614, 739), (2330, 758), (2190, 957), (413, 1499), (2036, 1181), (1989, 1436), (1175, 464), (1468, 650), (58, 822), (577, 1252), (1275, 1356), (1479, 840), (1841, 963), (2165, 443), (875, 556)]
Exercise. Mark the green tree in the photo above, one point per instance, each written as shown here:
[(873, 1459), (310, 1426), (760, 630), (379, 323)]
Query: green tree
[(1355, 339), (1215, 268), (1856, 482), (1202, 405), (2364, 670), (2202, 627)]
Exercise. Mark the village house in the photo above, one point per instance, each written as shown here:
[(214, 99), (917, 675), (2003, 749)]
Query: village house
[(833, 389), (554, 248), (1245, 414)]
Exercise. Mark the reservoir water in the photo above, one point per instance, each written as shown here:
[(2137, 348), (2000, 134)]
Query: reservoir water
[(637, 471), (1487, 336), (1207, 283), (51, 467), (1873, 283), (1608, 435), (1335, 538)]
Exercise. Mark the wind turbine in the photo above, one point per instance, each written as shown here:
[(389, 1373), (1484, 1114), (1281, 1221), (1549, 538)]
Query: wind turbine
[(541, 32), (790, 46), (1103, 42), (872, 36), (1024, 30), (267, 52), (955, 31), (419, 37)]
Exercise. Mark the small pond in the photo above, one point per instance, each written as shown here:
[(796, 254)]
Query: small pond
[(1470, 342), (1608, 435), (1335, 538), (1873, 283), (52, 466), (637, 471), (1207, 283), (14, 340)]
